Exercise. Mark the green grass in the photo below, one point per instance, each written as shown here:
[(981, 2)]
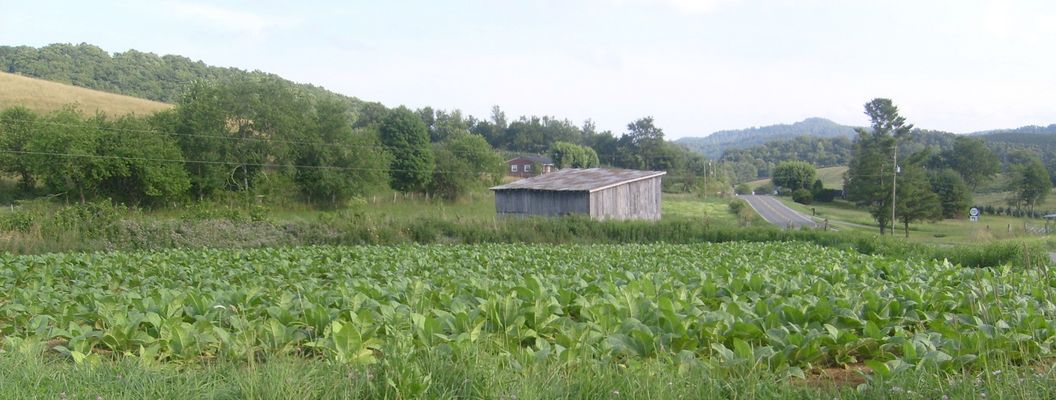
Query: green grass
[(477, 207), (46, 96), (713, 209), (1000, 199), (36, 377), (847, 217)]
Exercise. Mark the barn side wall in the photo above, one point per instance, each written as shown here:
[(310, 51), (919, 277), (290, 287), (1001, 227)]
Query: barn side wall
[(522, 202), (635, 200)]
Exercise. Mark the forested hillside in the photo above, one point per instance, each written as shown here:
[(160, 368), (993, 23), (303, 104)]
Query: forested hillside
[(1029, 130), (759, 161), (257, 134), (134, 73), (715, 144), (1010, 146)]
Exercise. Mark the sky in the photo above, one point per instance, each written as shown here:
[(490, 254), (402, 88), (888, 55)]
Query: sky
[(696, 66)]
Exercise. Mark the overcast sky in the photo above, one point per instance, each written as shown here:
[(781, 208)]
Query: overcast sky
[(697, 66)]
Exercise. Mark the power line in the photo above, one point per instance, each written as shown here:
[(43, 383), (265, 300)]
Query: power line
[(219, 162), (611, 157)]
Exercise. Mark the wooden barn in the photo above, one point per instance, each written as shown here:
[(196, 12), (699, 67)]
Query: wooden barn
[(602, 193)]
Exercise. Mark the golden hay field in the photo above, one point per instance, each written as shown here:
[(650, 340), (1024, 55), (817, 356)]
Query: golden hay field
[(44, 96)]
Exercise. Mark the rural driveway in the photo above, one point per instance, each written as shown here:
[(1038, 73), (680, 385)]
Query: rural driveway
[(776, 213)]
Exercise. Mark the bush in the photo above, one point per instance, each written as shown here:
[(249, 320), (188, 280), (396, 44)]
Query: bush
[(737, 205), (802, 196), (744, 212), (826, 195), (743, 189), (766, 188)]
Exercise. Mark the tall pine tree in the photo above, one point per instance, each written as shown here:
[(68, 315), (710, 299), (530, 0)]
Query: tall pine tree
[(871, 172)]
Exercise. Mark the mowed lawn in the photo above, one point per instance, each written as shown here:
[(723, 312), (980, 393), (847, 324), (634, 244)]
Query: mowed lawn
[(845, 216), (712, 209), (46, 96)]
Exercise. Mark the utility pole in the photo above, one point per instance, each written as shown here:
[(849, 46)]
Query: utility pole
[(894, 182), (705, 179)]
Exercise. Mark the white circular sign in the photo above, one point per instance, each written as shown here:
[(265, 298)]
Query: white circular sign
[(974, 212)]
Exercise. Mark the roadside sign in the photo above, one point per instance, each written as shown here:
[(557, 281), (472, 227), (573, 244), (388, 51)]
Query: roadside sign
[(973, 214)]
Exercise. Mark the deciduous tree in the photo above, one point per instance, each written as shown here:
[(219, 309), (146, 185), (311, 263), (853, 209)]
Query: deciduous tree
[(794, 175), (972, 160), (407, 139), (953, 193), (17, 126), (1031, 184)]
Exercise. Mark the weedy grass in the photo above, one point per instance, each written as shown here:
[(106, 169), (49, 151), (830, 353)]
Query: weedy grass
[(40, 226), (481, 376)]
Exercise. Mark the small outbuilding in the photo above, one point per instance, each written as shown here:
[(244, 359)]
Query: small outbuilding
[(601, 193)]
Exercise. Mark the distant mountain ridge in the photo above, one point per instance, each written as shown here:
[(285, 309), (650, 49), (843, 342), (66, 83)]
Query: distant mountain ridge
[(714, 145), (1027, 130)]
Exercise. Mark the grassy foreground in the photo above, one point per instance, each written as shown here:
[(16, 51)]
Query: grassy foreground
[(483, 377)]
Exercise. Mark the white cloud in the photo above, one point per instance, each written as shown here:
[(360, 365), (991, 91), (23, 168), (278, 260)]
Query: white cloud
[(230, 19)]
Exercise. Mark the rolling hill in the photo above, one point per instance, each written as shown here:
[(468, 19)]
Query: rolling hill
[(44, 96), (1023, 130), (135, 73), (715, 144)]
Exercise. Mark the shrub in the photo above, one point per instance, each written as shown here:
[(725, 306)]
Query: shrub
[(17, 221), (766, 188), (826, 195), (743, 189), (744, 212), (802, 196)]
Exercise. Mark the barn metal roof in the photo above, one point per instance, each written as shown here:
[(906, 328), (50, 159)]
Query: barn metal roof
[(580, 180)]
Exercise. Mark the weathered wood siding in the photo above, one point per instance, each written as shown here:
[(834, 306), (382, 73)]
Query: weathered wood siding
[(524, 203), (635, 200)]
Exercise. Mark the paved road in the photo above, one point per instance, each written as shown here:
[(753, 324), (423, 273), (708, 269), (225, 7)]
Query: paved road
[(776, 213)]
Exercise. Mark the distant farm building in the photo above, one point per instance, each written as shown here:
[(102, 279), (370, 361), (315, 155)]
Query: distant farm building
[(601, 193), (529, 166)]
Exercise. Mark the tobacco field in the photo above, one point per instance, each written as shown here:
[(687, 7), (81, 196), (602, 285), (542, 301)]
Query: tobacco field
[(787, 308)]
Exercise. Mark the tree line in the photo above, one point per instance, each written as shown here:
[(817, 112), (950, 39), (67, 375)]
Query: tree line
[(760, 161), (261, 135), (1011, 148), (902, 180), (245, 136), (134, 73)]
